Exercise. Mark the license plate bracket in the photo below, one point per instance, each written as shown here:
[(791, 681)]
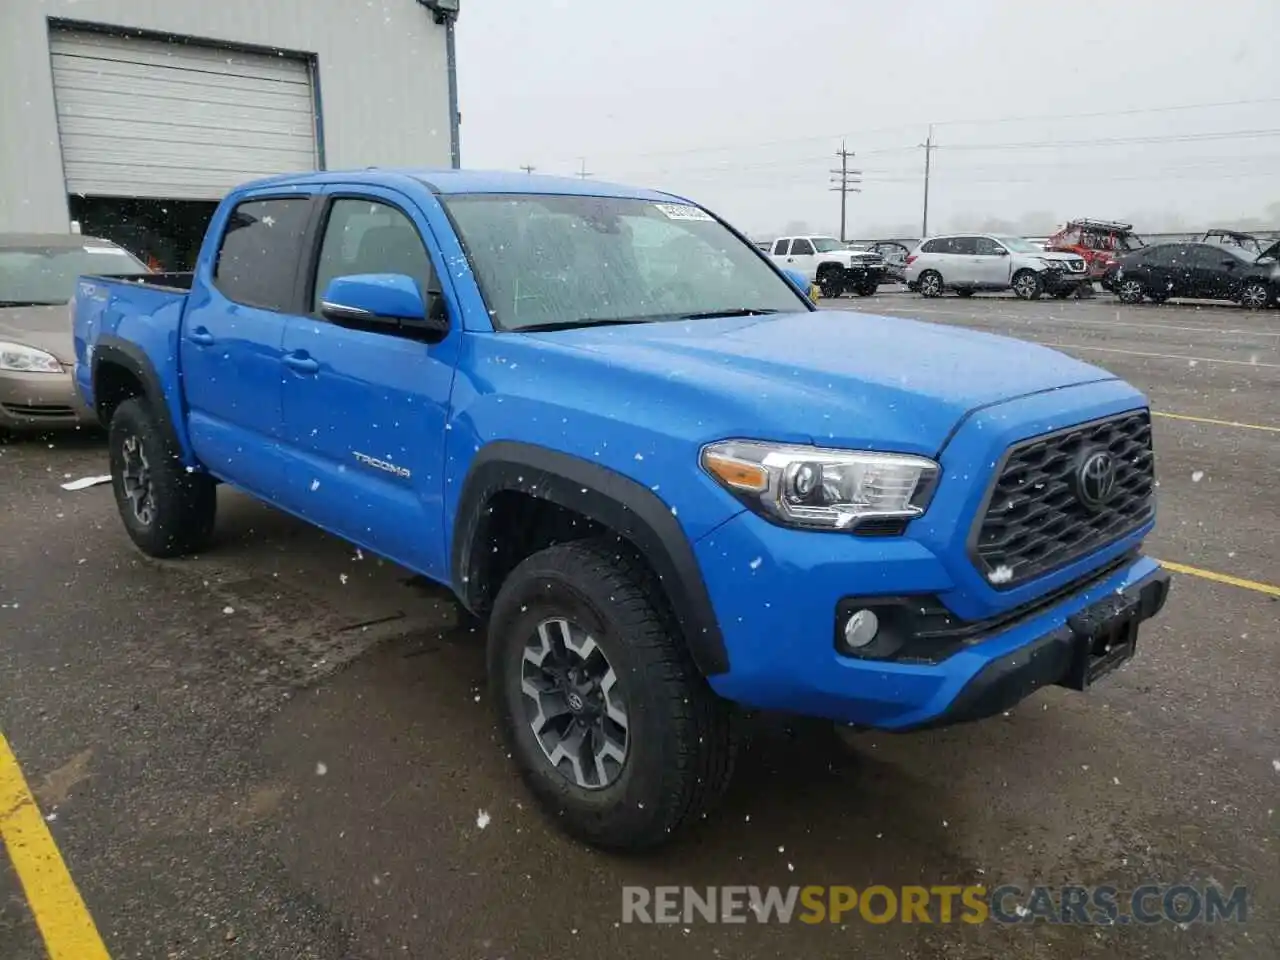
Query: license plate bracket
[(1104, 637)]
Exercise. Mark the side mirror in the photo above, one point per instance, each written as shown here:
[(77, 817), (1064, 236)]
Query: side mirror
[(1001, 252), (387, 303)]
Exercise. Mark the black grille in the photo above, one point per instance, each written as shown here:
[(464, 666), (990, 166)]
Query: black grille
[(1034, 521), (43, 411)]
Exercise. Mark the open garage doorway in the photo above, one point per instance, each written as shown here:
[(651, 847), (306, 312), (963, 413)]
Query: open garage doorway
[(164, 234)]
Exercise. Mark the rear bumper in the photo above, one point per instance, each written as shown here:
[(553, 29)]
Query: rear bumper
[(41, 401)]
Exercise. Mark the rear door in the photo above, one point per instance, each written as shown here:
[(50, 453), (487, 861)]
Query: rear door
[(245, 291), (365, 411), (990, 263), (961, 265), (1215, 272)]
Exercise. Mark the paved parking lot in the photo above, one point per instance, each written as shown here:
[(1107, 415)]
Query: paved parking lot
[(281, 748)]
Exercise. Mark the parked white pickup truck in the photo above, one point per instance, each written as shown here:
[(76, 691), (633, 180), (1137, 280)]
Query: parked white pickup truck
[(829, 264)]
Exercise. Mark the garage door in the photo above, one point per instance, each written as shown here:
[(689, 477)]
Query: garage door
[(144, 118)]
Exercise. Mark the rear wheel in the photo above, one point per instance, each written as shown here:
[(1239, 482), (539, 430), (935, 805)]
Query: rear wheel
[(1255, 295), (931, 284), (613, 728), (166, 511), (1028, 285), (1130, 291)]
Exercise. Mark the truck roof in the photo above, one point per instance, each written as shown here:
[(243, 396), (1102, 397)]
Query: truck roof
[(446, 181)]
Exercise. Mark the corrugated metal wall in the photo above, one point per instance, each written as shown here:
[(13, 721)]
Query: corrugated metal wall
[(143, 118)]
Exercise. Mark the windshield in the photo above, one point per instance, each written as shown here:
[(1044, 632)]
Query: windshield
[(550, 259), (826, 244), (1019, 245), (47, 275)]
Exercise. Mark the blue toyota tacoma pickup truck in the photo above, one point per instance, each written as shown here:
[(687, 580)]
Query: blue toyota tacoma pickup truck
[(672, 487)]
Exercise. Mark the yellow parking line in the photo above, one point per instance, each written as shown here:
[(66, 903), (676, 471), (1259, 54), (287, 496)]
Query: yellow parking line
[(1226, 578), (68, 930), (1216, 423)]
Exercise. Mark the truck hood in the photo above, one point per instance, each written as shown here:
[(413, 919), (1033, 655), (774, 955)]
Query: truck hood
[(46, 328), (837, 378)]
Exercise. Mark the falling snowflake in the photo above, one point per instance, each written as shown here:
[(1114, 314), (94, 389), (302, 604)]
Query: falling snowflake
[(268, 221), (315, 485), (755, 564), (228, 610), (1276, 764), (1197, 476), (321, 769), (1001, 574), (342, 577), (482, 819)]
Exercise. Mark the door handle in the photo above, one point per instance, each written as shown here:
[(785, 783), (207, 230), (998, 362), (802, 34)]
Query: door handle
[(201, 337), (301, 362)]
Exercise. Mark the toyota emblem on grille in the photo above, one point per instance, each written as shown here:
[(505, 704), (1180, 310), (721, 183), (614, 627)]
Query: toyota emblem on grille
[(1096, 479)]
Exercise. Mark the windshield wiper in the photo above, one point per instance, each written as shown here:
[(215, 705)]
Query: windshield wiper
[(733, 312), (583, 322)]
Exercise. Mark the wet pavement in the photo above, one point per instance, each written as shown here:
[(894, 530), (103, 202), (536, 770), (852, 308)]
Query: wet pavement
[(282, 748)]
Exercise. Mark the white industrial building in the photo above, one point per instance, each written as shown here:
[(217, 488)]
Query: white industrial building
[(131, 118)]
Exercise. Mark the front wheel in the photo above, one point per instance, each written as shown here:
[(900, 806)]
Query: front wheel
[(831, 284), (867, 289), (931, 284), (1130, 291), (610, 723), (1255, 295), (1028, 285), (166, 510)]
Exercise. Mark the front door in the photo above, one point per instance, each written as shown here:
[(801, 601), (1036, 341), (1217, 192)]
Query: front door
[(803, 257), (365, 411), (230, 342)]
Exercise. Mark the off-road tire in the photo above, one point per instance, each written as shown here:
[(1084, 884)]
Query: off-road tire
[(832, 284), (866, 289), (184, 505), (930, 284), (1027, 285), (682, 738)]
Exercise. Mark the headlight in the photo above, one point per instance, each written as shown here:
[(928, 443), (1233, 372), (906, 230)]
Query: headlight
[(21, 359), (821, 488)]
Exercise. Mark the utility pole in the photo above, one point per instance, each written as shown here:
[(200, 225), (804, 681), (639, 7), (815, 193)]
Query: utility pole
[(846, 181), (582, 170), (528, 168), (928, 151)]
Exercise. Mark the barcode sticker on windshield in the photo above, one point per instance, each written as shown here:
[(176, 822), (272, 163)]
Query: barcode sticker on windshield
[(682, 211), (115, 251)]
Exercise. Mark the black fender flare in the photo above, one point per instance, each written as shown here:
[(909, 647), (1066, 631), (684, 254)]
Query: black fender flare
[(619, 503), (131, 357)]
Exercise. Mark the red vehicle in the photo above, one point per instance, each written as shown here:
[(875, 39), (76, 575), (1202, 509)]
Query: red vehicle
[(1100, 242)]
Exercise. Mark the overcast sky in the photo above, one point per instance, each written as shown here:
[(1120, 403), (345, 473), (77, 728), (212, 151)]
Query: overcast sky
[(741, 105)]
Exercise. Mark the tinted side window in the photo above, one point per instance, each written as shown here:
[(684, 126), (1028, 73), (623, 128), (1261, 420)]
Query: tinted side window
[(258, 260), (1159, 256), (963, 245), (799, 247), (780, 248), (933, 246), (986, 247), (365, 236), (1208, 258)]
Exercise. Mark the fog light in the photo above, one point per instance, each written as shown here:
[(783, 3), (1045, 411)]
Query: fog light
[(861, 628)]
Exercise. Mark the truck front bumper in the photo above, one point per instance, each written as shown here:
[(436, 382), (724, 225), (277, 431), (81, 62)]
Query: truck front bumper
[(783, 626)]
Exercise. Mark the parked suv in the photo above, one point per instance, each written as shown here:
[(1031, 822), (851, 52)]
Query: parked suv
[(966, 263)]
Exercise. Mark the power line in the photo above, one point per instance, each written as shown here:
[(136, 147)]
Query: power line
[(866, 132), (846, 181), (528, 168), (1119, 141)]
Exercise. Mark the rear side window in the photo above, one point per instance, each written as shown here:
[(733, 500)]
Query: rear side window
[(931, 246), (780, 248), (258, 259)]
